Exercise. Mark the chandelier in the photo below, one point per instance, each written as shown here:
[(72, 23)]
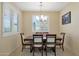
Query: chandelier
[(41, 15)]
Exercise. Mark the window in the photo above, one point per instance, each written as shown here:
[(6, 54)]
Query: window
[(40, 23), (6, 19), (10, 19), (15, 22)]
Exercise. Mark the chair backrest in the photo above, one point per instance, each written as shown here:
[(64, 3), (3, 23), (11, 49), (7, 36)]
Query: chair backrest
[(62, 36), (37, 39), (51, 38), (44, 34), (22, 37)]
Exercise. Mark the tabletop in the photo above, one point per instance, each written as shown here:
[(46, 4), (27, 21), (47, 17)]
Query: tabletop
[(31, 38)]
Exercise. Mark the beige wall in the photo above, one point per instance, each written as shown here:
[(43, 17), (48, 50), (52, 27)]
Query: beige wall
[(0, 18), (72, 30), (53, 21), (12, 41)]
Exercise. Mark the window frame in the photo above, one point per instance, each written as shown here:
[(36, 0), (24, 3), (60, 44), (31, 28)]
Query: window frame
[(40, 31), (6, 34), (3, 10), (12, 21)]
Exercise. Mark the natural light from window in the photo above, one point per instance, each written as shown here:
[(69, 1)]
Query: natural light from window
[(40, 23), (10, 19)]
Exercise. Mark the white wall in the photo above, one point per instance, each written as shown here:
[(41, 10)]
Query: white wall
[(72, 29), (53, 21), (9, 43)]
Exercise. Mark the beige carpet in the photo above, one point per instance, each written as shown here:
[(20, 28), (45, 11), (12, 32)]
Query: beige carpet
[(26, 52)]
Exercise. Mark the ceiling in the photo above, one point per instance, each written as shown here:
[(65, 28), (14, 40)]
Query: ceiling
[(35, 6)]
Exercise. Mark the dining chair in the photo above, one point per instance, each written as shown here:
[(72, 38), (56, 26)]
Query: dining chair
[(25, 43), (60, 40), (37, 43), (51, 42)]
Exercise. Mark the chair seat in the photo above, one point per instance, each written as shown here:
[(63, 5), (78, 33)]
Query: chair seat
[(37, 45), (50, 45)]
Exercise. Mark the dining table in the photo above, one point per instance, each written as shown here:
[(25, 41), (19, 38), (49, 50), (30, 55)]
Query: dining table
[(30, 38)]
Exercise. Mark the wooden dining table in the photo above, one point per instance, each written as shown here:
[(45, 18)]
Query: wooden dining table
[(30, 38)]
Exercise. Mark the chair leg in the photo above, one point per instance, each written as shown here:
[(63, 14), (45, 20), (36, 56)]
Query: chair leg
[(33, 51), (42, 51), (62, 47), (46, 51), (31, 48), (22, 49), (55, 51)]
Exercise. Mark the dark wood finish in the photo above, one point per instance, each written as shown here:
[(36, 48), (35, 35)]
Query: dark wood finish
[(60, 41), (39, 33), (29, 38), (51, 43), (37, 43), (24, 40)]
